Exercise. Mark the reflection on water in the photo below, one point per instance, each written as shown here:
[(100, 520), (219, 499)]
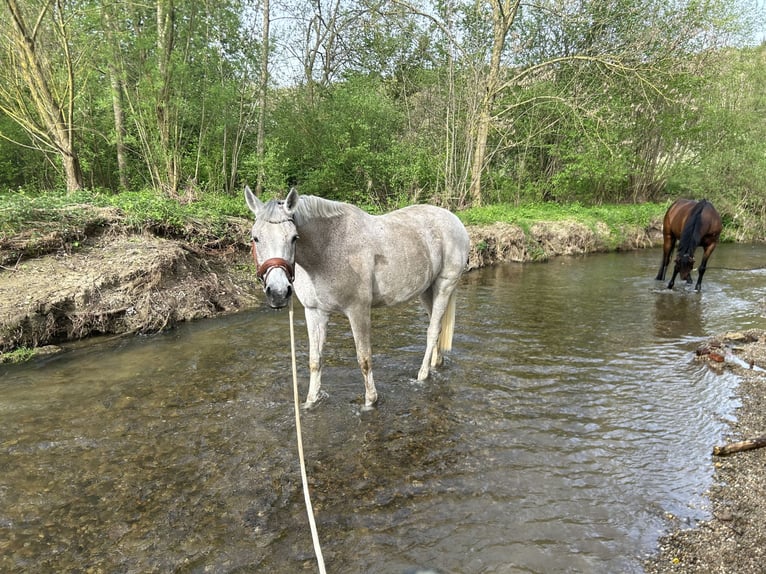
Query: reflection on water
[(547, 443)]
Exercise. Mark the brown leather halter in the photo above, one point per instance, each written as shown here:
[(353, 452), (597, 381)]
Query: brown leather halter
[(262, 269)]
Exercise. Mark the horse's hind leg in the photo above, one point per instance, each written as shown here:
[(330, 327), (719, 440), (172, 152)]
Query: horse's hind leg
[(703, 265), (316, 325), (440, 300)]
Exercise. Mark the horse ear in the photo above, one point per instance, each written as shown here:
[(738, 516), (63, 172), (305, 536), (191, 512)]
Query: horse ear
[(253, 202), (291, 201)]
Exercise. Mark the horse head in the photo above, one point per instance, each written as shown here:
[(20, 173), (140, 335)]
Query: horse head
[(273, 238), (684, 265)]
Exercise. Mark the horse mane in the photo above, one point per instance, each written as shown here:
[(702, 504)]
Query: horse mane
[(311, 207), (691, 236), (273, 212)]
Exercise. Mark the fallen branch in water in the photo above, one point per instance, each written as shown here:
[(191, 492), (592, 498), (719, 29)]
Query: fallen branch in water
[(748, 444)]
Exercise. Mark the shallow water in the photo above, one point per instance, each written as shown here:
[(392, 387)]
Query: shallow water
[(570, 418)]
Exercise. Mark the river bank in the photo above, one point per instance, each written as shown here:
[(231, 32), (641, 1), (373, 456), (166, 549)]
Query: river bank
[(69, 282), (733, 541)]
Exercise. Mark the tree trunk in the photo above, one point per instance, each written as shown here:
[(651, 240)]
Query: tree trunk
[(264, 83), (503, 16), (165, 116), (118, 109), (56, 116), (119, 126)]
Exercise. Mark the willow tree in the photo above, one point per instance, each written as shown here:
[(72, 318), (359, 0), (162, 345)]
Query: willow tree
[(38, 75)]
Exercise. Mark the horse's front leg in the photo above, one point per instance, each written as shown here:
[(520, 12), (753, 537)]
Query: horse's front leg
[(316, 325), (667, 248), (361, 323), (673, 277)]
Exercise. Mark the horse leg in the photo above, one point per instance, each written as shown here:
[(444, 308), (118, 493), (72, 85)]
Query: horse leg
[(361, 323), (316, 325), (703, 265), (673, 277), (668, 245), (439, 304)]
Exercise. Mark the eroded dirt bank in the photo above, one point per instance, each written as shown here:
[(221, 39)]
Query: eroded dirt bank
[(112, 285)]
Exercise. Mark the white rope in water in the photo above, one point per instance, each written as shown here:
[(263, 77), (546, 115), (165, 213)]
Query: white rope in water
[(304, 479)]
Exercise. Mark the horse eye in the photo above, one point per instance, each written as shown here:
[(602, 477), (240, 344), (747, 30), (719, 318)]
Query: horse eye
[(295, 238)]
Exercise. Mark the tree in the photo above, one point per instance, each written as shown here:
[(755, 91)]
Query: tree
[(503, 17), (263, 85), (37, 79)]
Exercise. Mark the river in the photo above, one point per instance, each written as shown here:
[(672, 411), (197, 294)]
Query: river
[(568, 429)]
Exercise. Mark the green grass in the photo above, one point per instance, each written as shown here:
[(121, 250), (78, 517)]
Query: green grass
[(21, 210), (20, 355), (613, 215)]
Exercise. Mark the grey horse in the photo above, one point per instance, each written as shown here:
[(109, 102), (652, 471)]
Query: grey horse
[(340, 259)]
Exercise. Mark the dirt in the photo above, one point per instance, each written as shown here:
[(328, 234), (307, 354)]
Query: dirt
[(115, 283), (502, 242)]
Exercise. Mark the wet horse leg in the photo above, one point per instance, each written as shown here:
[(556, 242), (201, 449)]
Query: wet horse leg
[(703, 265), (361, 322), (668, 245), (427, 301), (673, 277), (316, 325), (438, 295)]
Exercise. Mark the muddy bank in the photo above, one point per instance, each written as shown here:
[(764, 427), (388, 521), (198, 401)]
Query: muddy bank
[(66, 282), (63, 283), (503, 242), (123, 284), (733, 541)]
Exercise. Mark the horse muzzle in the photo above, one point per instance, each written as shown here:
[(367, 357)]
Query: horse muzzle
[(684, 266), (277, 286)]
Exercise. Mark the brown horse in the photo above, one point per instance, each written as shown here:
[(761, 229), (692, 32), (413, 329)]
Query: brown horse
[(694, 223)]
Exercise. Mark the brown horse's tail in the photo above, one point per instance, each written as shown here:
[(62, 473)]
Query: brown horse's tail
[(692, 231), (448, 325)]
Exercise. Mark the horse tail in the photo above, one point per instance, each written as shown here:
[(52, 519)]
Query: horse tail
[(448, 325), (691, 234)]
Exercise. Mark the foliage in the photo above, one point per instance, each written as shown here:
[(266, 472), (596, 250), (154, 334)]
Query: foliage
[(597, 102), (22, 210), (348, 145), (19, 355)]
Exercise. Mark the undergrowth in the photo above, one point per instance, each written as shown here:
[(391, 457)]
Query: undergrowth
[(613, 215), (211, 214), (20, 211)]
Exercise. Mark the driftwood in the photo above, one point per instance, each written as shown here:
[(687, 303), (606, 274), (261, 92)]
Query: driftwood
[(748, 444)]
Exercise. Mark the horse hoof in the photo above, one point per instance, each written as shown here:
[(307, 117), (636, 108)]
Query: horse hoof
[(308, 405), (370, 402)]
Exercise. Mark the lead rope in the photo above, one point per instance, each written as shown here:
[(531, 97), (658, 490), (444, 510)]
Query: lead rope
[(304, 479)]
